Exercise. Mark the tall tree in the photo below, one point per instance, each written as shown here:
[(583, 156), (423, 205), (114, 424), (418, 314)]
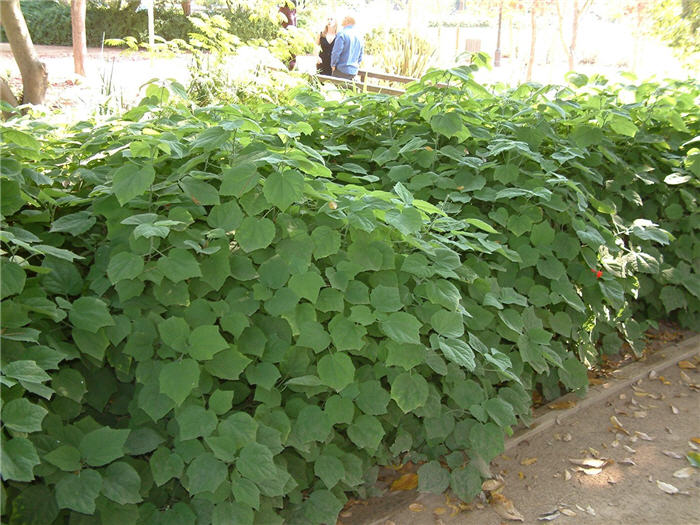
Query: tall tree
[(578, 9), (77, 20), (35, 78), (533, 38)]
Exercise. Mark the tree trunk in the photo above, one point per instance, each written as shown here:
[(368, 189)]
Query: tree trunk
[(533, 39), (77, 20), (35, 78), (186, 7), (574, 35), (6, 95)]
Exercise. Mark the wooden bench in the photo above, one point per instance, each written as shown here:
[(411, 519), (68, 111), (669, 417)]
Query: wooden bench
[(363, 84)]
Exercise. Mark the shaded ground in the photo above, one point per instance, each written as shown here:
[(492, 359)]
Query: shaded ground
[(658, 416)]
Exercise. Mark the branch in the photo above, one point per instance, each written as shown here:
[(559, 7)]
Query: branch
[(560, 17)]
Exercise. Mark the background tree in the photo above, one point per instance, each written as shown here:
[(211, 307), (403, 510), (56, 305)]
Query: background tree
[(534, 8), (77, 19), (577, 10), (35, 78), (677, 22)]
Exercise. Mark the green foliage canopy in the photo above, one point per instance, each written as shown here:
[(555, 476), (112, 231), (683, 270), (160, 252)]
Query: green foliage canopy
[(184, 342)]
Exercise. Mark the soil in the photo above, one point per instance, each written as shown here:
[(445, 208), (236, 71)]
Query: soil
[(664, 408)]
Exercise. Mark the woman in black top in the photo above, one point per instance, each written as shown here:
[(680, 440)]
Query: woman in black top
[(326, 39)]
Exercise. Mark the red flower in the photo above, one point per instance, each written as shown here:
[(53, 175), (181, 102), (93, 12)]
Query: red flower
[(598, 273)]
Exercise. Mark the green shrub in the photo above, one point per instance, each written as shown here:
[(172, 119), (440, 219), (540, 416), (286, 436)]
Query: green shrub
[(234, 314), (399, 51), (49, 23)]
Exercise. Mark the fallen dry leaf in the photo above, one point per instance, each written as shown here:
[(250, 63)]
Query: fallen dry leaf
[(685, 377), (589, 471), (416, 507), (644, 436), (405, 482), (640, 414), (695, 440), (590, 510), (492, 485), (667, 487), (686, 365), (629, 449), (505, 508), (627, 461), (653, 374), (561, 405), (617, 425), (675, 410), (439, 511), (549, 516), (672, 454), (567, 475), (693, 445), (590, 462), (528, 461), (684, 472), (568, 512)]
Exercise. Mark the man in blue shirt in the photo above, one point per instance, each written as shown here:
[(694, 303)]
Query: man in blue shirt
[(347, 51)]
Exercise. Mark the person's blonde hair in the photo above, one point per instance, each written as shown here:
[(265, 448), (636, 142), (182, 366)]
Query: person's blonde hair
[(348, 20), (330, 22)]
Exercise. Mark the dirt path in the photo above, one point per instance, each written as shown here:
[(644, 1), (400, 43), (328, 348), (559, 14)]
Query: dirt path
[(114, 77), (658, 417)]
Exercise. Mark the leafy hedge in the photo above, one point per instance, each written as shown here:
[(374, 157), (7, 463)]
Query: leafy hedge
[(49, 23), (233, 315)]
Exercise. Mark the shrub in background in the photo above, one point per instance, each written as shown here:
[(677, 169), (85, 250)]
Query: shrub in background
[(399, 51), (49, 23)]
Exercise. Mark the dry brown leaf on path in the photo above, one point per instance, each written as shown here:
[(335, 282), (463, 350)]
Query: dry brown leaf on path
[(693, 445), (439, 511), (695, 440), (567, 475), (684, 472), (672, 454), (644, 436), (629, 449), (667, 487), (686, 365), (685, 377), (549, 516), (405, 482), (505, 508), (528, 461), (627, 461), (590, 462), (568, 512), (675, 410), (561, 405), (416, 507), (617, 425), (492, 485), (589, 471)]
